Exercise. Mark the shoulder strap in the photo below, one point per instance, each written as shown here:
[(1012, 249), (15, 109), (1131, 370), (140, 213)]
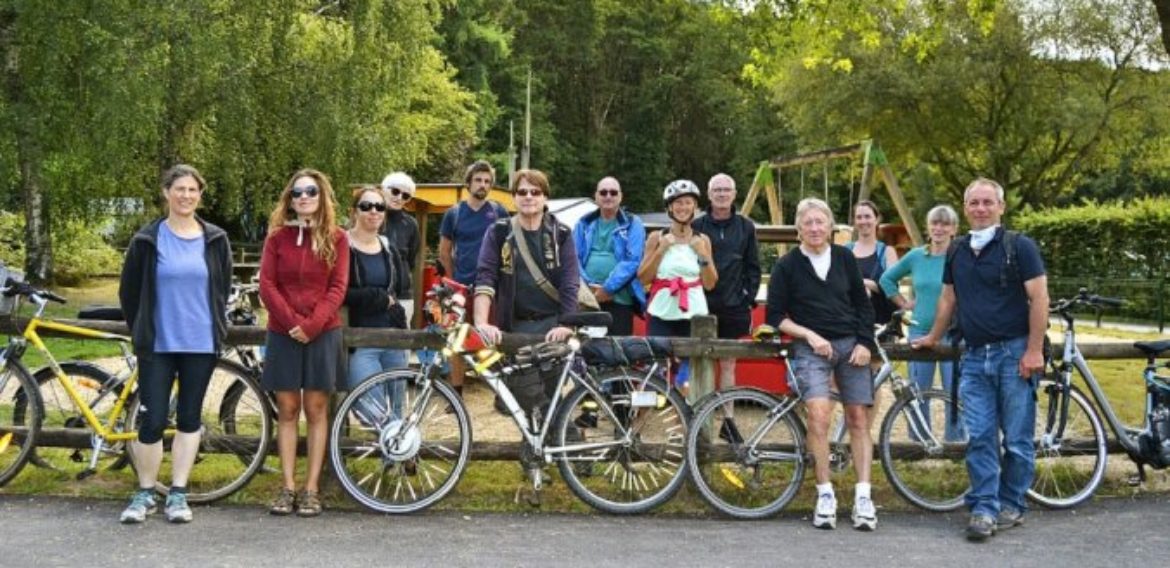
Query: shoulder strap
[(880, 251), (1011, 268), (533, 269)]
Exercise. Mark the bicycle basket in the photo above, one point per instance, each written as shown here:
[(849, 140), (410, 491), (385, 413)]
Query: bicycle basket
[(8, 303)]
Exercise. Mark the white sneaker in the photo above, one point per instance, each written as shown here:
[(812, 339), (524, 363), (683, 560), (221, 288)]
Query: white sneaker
[(141, 505), (825, 516), (864, 514)]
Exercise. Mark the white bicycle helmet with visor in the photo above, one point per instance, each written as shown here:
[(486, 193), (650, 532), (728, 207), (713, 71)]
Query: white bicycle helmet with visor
[(679, 188)]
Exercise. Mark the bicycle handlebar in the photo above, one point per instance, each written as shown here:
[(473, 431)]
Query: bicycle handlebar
[(14, 288), (1084, 298)]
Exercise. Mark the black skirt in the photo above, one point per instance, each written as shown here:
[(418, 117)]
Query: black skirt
[(290, 365)]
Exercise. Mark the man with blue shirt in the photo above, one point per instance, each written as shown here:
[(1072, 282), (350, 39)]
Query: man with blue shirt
[(609, 245), (1002, 304), (461, 234)]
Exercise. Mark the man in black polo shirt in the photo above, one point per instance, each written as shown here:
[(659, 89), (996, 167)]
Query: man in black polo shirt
[(1003, 315)]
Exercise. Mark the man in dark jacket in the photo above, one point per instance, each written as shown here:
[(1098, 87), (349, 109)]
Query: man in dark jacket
[(737, 260), (502, 276)]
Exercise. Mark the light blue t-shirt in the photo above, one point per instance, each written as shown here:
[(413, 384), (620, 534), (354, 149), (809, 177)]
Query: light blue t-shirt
[(925, 271), (602, 260), (182, 308)]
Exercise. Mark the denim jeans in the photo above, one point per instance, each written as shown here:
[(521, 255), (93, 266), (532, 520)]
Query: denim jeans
[(364, 363), (996, 399), (922, 373)]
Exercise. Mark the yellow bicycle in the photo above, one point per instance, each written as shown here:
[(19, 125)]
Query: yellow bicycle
[(82, 416)]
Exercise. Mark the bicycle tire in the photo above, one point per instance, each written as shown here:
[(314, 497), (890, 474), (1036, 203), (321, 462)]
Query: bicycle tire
[(773, 466), (920, 464), (97, 388), (234, 401), (405, 461), (1068, 469), (233, 447), (623, 480), (17, 439)]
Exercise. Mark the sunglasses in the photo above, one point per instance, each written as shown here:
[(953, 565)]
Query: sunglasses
[(527, 192), (395, 192), (608, 192), (366, 206), (307, 191)]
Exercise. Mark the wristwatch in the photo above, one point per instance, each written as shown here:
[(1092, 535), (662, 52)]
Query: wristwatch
[(703, 263)]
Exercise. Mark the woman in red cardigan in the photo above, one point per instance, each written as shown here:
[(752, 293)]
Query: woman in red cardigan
[(303, 275)]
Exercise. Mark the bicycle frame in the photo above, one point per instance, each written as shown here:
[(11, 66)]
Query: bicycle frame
[(103, 431), (1072, 358)]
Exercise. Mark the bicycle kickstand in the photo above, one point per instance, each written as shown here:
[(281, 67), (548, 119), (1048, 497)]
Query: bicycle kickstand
[(98, 444), (1139, 478)]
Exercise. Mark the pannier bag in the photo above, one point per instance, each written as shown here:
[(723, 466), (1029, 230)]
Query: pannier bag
[(8, 303), (614, 352)]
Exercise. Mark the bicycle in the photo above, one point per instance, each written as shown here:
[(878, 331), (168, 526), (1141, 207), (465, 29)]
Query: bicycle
[(79, 402), (617, 441), (757, 473), (1071, 444)]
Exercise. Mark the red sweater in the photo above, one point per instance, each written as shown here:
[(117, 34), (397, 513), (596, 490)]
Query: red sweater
[(297, 288)]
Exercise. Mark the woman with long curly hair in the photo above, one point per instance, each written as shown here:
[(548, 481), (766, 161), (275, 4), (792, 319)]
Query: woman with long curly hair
[(304, 271)]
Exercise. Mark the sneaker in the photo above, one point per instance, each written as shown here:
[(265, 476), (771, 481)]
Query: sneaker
[(864, 514), (284, 503), (729, 433), (141, 505), (1008, 518), (177, 510), (308, 504), (825, 516), (980, 528)]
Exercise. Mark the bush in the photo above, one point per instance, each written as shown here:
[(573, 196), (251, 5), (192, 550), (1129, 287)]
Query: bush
[(78, 250), (1120, 249)]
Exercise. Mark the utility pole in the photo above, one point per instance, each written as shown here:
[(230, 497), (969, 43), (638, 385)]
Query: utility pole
[(526, 149), (511, 152)]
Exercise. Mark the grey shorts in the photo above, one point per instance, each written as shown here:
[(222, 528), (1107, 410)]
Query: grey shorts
[(813, 373)]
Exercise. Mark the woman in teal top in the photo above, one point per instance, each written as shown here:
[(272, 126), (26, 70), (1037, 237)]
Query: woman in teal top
[(924, 266)]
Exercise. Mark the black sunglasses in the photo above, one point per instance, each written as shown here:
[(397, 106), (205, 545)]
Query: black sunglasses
[(608, 192), (308, 190), (527, 192), (365, 206), (401, 194)]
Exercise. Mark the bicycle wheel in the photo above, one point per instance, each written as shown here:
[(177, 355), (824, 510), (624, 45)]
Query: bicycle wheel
[(66, 426), (623, 478), (921, 464), (1070, 454), (754, 474), (18, 436), (400, 442), (234, 445), (236, 405)]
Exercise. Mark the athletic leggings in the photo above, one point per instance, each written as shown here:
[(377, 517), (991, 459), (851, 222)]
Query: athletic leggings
[(156, 375)]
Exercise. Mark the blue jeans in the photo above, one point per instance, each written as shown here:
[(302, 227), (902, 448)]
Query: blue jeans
[(922, 373), (996, 399), (366, 362)]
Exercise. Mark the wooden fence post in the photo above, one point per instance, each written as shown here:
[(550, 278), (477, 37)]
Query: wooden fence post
[(703, 365)]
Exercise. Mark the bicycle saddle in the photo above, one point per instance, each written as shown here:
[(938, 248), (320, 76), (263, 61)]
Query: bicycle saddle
[(586, 319), (1153, 348), (102, 313)]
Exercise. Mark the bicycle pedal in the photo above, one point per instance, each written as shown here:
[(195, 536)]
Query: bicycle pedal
[(76, 457), (1134, 480)]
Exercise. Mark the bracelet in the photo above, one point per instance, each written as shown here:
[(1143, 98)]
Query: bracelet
[(703, 263)]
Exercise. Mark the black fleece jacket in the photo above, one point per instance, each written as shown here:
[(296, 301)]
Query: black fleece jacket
[(136, 291)]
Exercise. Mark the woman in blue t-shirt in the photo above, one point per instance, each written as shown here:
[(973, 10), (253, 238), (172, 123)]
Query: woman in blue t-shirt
[(174, 288), (924, 266)]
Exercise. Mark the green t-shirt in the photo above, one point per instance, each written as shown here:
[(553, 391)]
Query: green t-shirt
[(602, 261)]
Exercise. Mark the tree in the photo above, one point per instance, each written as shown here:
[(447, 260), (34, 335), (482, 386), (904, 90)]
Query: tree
[(1163, 9)]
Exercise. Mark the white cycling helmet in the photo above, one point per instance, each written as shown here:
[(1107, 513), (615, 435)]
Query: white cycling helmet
[(400, 181), (679, 188)]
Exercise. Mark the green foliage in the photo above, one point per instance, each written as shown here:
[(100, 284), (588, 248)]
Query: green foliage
[(1117, 248), (79, 254)]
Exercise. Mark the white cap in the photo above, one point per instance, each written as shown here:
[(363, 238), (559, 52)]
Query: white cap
[(400, 181)]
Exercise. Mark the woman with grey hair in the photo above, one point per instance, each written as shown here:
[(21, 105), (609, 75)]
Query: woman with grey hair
[(924, 266)]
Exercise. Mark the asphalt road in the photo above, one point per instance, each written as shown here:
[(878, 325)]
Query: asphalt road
[(42, 531)]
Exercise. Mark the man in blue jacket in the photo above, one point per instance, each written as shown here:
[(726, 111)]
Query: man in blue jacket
[(609, 245)]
